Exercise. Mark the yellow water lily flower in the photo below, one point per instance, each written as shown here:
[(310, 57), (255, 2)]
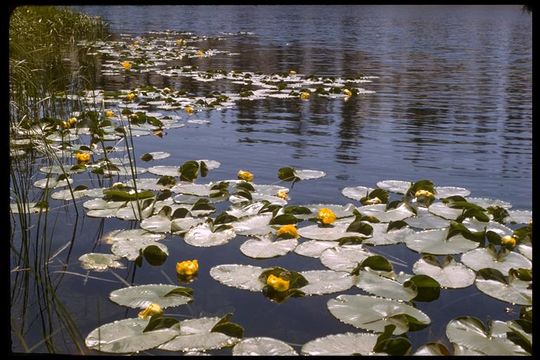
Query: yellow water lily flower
[(126, 65), (180, 42), (152, 309), (82, 157), (283, 194), (189, 109), (373, 201), (109, 113), (292, 72), (424, 193), (166, 90), (245, 175), (326, 216), (289, 230), (304, 95), (69, 123), (200, 53), (509, 241), (130, 96), (187, 267), (277, 283), (347, 92)]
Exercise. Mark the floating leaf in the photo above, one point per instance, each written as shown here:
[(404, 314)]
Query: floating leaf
[(265, 248), (127, 336), (374, 313), (334, 232), (116, 235), (253, 225), (27, 208), (157, 155), (432, 349), (68, 195), (341, 345), (381, 236), (376, 284), (157, 223), (344, 258), (471, 333), (132, 248), (356, 192), (262, 346), (244, 277), (52, 183), (154, 255), (379, 211), (314, 248), (164, 170), (435, 242), (510, 289), (426, 220), (196, 335), (203, 236), (446, 191), (444, 211), (449, 273), (100, 262), (143, 295), (518, 217), (326, 282), (396, 186), (488, 258)]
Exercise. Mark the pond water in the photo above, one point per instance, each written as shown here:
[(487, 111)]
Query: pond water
[(452, 102)]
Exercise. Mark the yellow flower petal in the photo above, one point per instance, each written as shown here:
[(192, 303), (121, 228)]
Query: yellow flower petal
[(347, 92), (245, 175), (326, 216), (283, 194), (188, 109), (277, 283), (424, 193), (109, 113), (304, 95), (187, 267), (289, 230), (126, 65), (152, 309), (509, 241), (82, 157)]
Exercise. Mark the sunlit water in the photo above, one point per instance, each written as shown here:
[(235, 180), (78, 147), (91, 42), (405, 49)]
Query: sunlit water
[(453, 104)]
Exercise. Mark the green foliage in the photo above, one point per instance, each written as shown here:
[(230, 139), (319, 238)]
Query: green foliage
[(160, 322), (392, 345), (225, 326)]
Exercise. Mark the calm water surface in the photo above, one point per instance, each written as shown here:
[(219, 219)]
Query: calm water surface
[(453, 104)]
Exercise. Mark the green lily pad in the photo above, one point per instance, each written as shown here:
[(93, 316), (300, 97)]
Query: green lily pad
[(127, 336), (157, 223), (262, 346), (485, 203), (142, 296), (117, 235), (341, 211), (512, 290), (245, 210), (67, 195), (356, 192), (130, 249), (344, 258), (196, 335), (448, 273), (163, 170), (156, 155), (381, 236), (380, 212), (253, 225), (471, 333), (314, 248), (27, 208), (52, 183), (100, 262), (264, 247), (341, 345), (446, 191), (434, 242), (335, 231), (395, 186), (487, 258), (426, 220), (202, 236), (326, 281), (525, 250), (374, 313), (244, 277), (188, 188), (518, 217), (373, 283), (446, 212)]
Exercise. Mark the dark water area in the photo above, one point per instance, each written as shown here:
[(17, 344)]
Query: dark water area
[(452, 103)]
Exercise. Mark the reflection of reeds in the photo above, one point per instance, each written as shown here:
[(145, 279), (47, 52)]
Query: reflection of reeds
[(41, 82)]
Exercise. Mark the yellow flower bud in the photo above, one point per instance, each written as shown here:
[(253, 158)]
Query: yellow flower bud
[(509, 241), (166, 90), (424, 193), (82, 157), (245, 175), (326, 216), (65, 125), (131, 96), (304, 95), (277, 283), (180, 42), (109, 113), (200, 53), (283, 194), (289, 230), (347, 92), (188, 267), (373, 201), (126, 65), (152, 309), (72, 121), (188, 109), (292, 72)]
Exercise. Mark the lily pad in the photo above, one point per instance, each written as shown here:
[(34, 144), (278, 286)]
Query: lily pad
[(163, 170), (344, 258), (131, 248), (374, 283), (196, 335), (471, 333), (314, 248), (246, 210), (156, 155), (27, 208), (513, 290), (326, 281), (253, 225), (68, 195), (100, 262), (485, 203), (446, 191), (143, 295), (395, 186), (329, 233), (487, 258), (244, 277), (525, 250), (434, 242), (265, 248), (52, 183), (127, 336), (379, 211), (117, 235), (374, 313), (356, 192), (518, 217), (341, 345), (341, 211), (203, 236), (381, 236), (449, 273), (444, 211), (262, 346), (426, 220), (306, 174)]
